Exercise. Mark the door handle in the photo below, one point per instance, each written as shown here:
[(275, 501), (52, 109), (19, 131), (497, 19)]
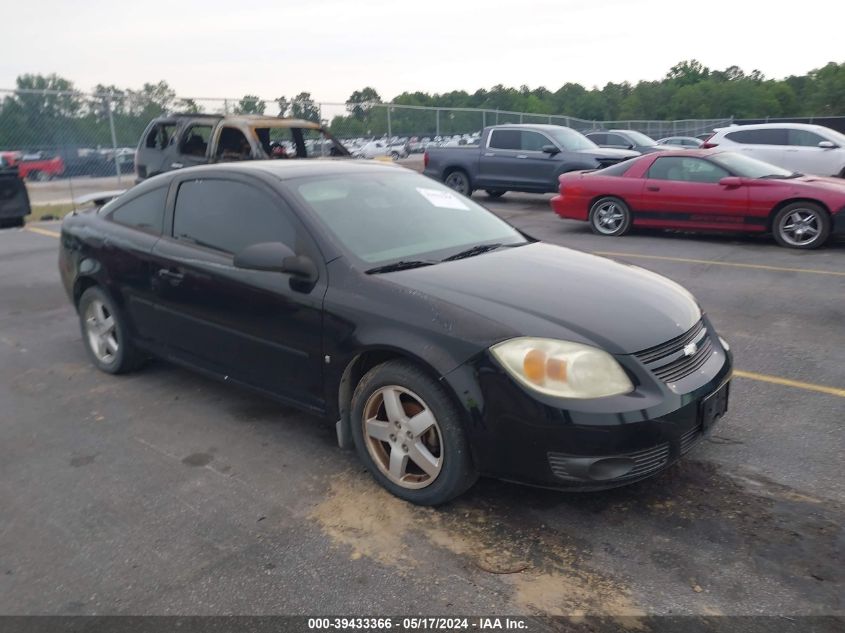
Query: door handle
[(173, 277), (176, 165), (489, 154), (652, 188), (521, 156)]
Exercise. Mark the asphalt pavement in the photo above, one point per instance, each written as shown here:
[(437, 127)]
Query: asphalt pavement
[(163, 492)]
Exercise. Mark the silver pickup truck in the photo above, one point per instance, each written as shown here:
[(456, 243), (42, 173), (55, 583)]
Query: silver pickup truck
[(518, 158)]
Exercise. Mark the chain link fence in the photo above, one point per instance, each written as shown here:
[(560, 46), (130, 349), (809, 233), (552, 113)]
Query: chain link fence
[(68, 144)]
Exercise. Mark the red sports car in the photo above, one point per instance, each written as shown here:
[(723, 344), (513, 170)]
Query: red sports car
[(705, 190)]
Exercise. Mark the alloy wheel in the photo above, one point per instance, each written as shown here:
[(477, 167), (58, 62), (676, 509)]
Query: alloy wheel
[(458, 181), (608, 218), (800, 227), (402, 437), (101, 329)]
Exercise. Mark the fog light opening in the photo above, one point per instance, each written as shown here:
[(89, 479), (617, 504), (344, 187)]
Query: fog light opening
[(610, 468)]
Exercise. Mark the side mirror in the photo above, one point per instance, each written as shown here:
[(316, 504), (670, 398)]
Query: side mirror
[(276, 257), (551, 150), (827, 145), (629, 146), (731, 181)]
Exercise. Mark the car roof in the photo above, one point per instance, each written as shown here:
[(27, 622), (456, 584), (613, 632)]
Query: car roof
[(251, 120), (287, 169), (767, 126)]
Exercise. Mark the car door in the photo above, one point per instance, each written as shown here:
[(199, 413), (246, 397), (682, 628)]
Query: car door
[(192, 145), (682, 190), (534, 168), (261, 328), (808, 157), (767, 144), (498, 160)]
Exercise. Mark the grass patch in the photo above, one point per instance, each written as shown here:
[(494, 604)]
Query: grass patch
[(49, 212)]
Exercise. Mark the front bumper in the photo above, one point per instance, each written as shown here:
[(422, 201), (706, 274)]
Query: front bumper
[(585, 445), (838, 224)]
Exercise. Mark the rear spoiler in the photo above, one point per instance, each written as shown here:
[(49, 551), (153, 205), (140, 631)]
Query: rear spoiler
[(100, 198)]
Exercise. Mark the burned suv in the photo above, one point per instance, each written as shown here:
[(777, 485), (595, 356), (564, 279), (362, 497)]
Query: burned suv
[(184, 140)]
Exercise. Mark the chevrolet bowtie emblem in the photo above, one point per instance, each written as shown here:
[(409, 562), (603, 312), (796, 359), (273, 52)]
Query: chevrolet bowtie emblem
[(690, 349)]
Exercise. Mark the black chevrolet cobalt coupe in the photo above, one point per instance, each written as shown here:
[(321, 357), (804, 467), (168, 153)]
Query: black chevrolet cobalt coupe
[(445, 343)]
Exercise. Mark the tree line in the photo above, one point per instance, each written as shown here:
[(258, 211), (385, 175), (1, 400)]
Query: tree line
[(48, 110)]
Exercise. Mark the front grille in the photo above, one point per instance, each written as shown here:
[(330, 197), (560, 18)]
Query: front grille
[(645, 461), (689, 439), (670, 363)]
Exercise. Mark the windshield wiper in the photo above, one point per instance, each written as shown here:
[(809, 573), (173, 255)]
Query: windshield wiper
[(400, 265), (471, 252), (794, 174)]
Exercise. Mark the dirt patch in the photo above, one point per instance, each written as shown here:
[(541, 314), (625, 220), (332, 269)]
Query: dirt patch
[(545, 572)]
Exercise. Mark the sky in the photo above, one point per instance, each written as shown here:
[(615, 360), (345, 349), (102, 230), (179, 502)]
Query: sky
[(330, 48)]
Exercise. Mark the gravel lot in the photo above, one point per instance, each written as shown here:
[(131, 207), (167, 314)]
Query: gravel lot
[(163, 492)]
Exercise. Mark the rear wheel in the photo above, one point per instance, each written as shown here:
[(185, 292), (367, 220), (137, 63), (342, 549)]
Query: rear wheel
[(801, 225), (105, 333), (394, 155), (408, 433), (495, 193), (610, 216), (458, 180)]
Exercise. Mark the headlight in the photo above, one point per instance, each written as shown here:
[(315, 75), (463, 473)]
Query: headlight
[(562, 368)]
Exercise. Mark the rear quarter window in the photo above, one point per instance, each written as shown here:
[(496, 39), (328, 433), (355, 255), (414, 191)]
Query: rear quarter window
[(144, 212), (619, 169)]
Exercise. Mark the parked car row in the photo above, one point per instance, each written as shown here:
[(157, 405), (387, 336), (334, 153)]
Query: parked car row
[(42, 165)]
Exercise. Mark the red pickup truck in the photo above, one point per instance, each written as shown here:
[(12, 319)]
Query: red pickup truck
[(35, 166)]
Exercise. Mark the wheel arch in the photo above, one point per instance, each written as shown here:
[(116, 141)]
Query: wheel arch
[(783, 203), (363, 362)]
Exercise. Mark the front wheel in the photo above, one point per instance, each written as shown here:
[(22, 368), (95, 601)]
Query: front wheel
[(801, 225), (408, 433), (610, 216), (105, 333), (495, 193), (459, 181)]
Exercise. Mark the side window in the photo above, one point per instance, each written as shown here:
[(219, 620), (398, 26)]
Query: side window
[(533, 141), (683, 169), (159, 136), (616, 141), (228, 216), (195, 140), (599, 138), (768, 136), (506, 139), (233, 145), (145, 212), (804, 138)]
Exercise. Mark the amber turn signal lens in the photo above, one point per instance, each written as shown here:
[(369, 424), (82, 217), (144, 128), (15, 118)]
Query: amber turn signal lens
[(534, 366), (556, 369)]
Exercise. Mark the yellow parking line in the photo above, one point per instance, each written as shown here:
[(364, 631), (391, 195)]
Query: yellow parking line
[(35, 229), (718, 263), (777, 380)]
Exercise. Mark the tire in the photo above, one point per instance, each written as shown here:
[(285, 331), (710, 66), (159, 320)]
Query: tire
[(495, 193), (34, 175), (458, 180), (105, 333), (803, 225), (610, 216), (437, 440), (394, 155)]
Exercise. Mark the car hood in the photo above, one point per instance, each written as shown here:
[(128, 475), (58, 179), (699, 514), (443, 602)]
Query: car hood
[(608, 152), (554, 292), (836, 185)]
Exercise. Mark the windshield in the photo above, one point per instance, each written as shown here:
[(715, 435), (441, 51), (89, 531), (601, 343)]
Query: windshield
[(388, 216), (836, 137), (748, 167), (640, 139), (569, 139)]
